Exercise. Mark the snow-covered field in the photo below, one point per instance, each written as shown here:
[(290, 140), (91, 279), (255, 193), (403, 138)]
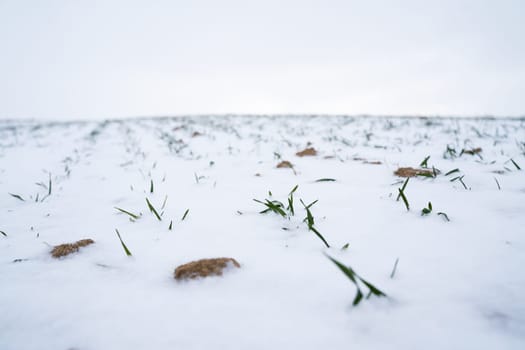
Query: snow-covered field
[(458, 284)]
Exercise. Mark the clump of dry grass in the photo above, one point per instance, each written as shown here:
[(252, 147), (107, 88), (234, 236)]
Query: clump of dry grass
[(204, 268), (69, 248), (473, 151), (285, 164), (310, 151), (411, 172), (84, 242)]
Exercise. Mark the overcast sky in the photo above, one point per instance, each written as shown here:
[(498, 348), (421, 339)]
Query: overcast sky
[(98, 59)]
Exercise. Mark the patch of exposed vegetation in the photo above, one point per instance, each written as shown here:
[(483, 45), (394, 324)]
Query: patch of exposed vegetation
[(69, 248), (204, 268)]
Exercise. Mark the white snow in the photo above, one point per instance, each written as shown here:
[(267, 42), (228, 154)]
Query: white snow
[(458, 284)]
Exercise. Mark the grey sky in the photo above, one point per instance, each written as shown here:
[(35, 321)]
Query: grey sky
[(83, 59)]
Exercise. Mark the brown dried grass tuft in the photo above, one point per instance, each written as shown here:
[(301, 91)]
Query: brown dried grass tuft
[(84, 242), (204, 268), (411, 172), (69, 248), (473, 151), (284, 164), (310, 151)]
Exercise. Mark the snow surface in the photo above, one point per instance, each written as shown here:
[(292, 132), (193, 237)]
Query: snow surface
[(458, 284)]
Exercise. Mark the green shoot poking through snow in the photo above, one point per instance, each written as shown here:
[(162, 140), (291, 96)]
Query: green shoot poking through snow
[(497, 183), (450, 153), (17, 197), (355, 279), (424, 162), (310, 222), (164, 203), (460, 179), (515, 164), (50, 186), (152, 209), (326, 179), (402, 188), (128, 253), (402, 194), (427, 210), (290, 207), (3, 233), (452, 172), (274, 206), (445, 216), (134, 216), (185, 214), (287, 212), (394, 269)]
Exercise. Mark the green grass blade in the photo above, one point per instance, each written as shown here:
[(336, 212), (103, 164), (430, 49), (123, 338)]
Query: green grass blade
[(17, 196), (50, 186), (445, 216), (394, 269), (373, 289), (326, 180), (428, 210), (346, 270), (497, 183), (128, 253), (3, 233), (309, 217), (185, 214), (152, 209), (309, 205), (424, 162), (402, 194), (403, 188), (290, 205), (452, 172), (426, 175), (276, 206), (134, 216), (358, 297), (461, 180), (351, 276), (164, 202), (320, 236)]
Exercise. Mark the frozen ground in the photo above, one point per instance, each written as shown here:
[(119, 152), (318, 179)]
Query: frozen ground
[(457, 285)]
